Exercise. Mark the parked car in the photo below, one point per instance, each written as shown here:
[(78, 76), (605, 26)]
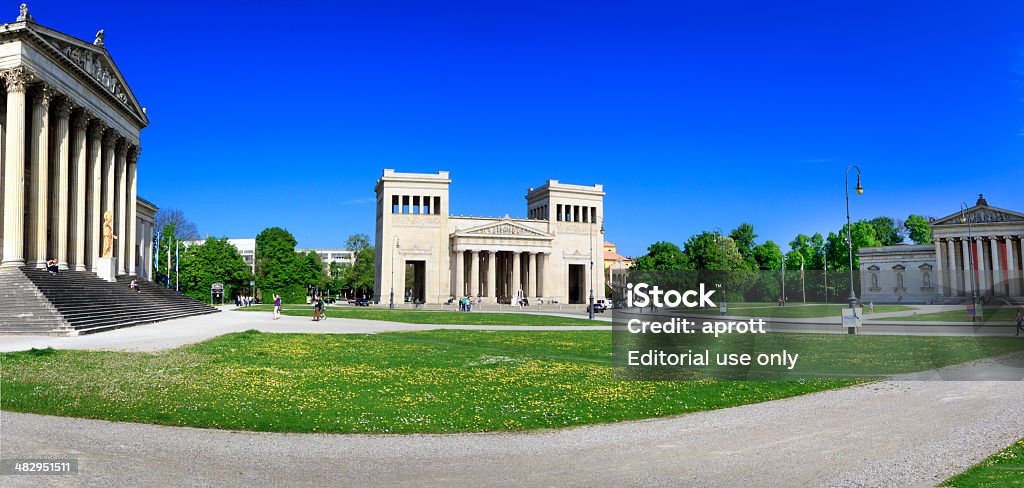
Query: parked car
[(598, 307), (362, 302)]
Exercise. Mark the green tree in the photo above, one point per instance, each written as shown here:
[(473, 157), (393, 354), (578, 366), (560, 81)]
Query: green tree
[(276, 266), (213, 261), (918, 229), (360, 274), (173, 228), (357, 242), (744, 237), (863, 233), (768, 256), (661, 256), (705, 251), (887, 231)]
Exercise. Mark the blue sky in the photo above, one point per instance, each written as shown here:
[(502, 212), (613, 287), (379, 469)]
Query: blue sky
[(692, 114)]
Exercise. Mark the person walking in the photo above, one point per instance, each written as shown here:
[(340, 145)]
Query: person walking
[(316, 310), (277, 306), (1020, 321), (322, 305)]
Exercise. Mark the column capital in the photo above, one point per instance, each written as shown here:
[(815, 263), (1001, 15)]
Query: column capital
[(96, 128), (64, 107), (122, 148), (16, 79), (133, 154), (110, 137), (80, 119), (42, 94)]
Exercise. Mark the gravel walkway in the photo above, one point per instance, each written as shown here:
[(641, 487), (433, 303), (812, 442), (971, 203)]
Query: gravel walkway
[(894, 433)]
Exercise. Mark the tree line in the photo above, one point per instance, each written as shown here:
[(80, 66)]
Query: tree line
[(280, 269)]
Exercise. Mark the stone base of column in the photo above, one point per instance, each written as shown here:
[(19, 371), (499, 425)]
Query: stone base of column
[(63, 266), (80, 267), (106, 268), (36, 264), (14, 263)]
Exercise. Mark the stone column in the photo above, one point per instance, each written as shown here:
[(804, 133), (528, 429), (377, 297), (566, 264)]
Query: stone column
[(970, 284), (939, 259), (62, 143), (121, 213), (531, 279), (109, 139), (997, 276), (952, 271), (39, 159), (492, 258), (1012, 275), (133, 191), (517, 275), (460, 274), (14, 169), (78, 235), (979, 258), (474, 273), (542, 261), (95, 190)]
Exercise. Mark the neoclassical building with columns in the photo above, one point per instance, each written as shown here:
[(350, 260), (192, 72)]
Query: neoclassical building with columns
[(975, 252), (424, 254), (70, 148)]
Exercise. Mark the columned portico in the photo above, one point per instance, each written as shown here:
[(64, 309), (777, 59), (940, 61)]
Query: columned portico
[(66, 151)]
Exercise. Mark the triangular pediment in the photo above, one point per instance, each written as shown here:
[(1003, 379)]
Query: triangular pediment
[(503, 228), (95, 62), (980, 214)]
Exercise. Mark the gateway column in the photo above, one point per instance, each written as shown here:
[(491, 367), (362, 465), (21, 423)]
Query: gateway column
[(939, 259), (997, 275), (517, 275), (14, 169), (39, 159), (1012, 276), (474, 273), (492, 257), (78, 190), (460, 274), (967, 258), (952, 273), (531, 279), (979, 262), (109, 138), (62, 142)]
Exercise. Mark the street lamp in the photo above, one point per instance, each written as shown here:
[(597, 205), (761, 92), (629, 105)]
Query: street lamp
[(970, 254), (803, 288), (591, 307), (849, 235), (721, 247), (391, 304)]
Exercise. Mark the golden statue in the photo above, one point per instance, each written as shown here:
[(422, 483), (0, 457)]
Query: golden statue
[(108, 234)]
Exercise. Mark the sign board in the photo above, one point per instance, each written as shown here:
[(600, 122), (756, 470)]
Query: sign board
[(850, 317), (217, 287), (251, 283)]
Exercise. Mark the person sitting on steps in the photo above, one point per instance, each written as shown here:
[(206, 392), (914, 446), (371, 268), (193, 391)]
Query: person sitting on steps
[(51, 266)]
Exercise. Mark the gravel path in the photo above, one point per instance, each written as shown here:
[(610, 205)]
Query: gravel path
[(893, 433)]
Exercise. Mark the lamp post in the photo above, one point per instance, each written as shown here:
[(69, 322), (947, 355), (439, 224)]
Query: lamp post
[(825, 256), (783, 299), (721, 247), (391, 304), (591, 307), (970, 254), (849, 235), (803, 287)]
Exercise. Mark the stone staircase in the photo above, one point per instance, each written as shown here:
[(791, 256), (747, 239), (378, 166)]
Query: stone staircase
[(78, 302), (24, 309)]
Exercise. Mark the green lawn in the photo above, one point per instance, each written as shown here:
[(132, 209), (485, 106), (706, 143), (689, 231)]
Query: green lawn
[(429, 316), (1004, 468), (432, 381), (1005, 314), (797, 310)]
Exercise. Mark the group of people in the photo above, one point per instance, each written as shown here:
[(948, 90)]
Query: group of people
[(465, 303), (318, 308), (244, 301)]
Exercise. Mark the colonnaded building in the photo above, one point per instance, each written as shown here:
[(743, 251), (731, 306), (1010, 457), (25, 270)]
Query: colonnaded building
[(69, 149), (550, 255), (975, 251)]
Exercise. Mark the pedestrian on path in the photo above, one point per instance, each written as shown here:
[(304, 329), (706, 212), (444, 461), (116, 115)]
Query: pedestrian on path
[(277, 306), (316, 310), (1020, 321)]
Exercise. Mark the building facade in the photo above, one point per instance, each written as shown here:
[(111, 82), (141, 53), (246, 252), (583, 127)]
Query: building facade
[(70, 149), (549, 256), (975, 252)]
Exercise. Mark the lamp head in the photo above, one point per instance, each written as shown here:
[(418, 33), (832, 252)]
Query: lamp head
[(860, 189)]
